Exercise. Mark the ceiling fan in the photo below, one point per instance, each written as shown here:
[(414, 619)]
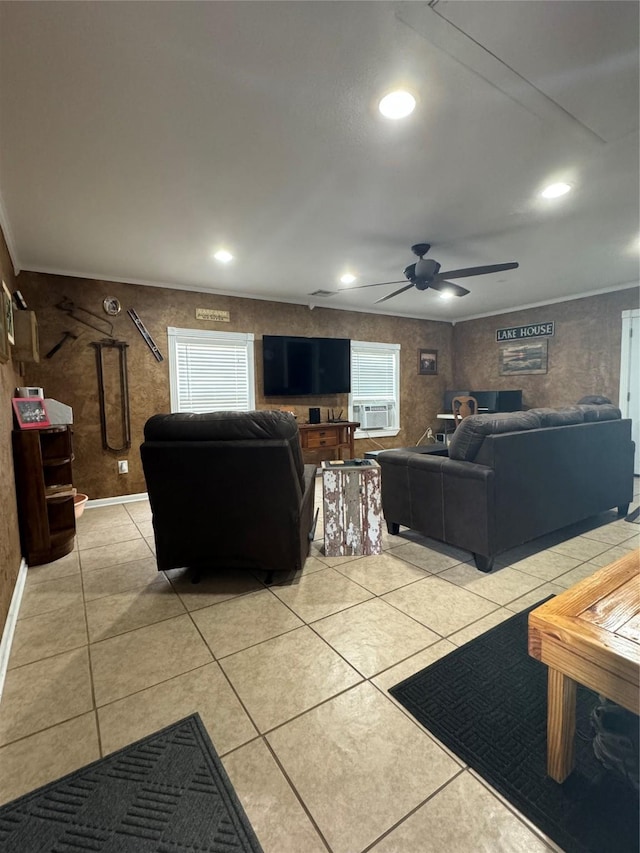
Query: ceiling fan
[(425, 274)]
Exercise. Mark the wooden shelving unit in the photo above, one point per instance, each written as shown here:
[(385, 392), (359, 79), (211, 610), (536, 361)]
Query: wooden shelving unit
[(44, 487)]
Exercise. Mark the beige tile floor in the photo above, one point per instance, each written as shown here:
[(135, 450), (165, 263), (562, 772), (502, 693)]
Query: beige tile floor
[(289, 679)]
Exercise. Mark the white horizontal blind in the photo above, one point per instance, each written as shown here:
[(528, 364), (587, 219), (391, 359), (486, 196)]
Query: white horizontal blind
[(375, 376), (211, 371)]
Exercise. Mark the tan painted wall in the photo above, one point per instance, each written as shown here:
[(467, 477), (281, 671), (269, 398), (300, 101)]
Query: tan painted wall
[(584, 353), (70, 376), (9, 538), (584, 357)]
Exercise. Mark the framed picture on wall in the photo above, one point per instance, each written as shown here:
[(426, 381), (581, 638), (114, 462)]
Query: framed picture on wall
[(519, 358), (30, 412), (428, 362), (7, 310), (4, 339)]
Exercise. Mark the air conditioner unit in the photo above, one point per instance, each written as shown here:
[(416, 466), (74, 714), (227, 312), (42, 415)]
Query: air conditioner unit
[(373, 415)]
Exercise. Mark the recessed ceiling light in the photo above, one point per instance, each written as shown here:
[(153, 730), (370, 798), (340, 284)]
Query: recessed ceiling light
[(399, 104), (555, 190), (223, 256), (347, 278)]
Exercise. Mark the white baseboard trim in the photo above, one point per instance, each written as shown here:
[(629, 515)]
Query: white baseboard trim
[(119, 499), (10, 624)]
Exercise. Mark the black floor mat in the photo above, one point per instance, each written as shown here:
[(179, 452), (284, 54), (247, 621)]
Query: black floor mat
[(165, 793), (487, 701)]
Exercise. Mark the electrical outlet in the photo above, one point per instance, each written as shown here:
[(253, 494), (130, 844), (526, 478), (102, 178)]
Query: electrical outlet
[(123, 466)]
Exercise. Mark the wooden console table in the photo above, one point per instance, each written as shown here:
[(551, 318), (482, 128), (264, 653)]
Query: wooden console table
[(330, 436), (588, 634)]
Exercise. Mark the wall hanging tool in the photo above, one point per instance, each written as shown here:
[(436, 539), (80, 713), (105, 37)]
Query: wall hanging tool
[(145, 334), (125, 422), (80, 315), (63, 340)]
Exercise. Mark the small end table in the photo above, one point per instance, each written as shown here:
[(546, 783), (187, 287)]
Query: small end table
[(352, 508)]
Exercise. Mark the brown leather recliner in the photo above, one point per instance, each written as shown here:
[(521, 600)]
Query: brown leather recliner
[(228, 490)]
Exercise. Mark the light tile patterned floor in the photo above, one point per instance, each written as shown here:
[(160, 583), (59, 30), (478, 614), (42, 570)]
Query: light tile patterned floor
[(290, 679)]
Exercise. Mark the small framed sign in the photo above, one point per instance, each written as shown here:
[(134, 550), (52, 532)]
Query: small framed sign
[(212, 314), (428, 362), (30, 412)]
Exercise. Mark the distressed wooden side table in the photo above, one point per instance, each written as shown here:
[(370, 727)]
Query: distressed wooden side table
[(352, 508)]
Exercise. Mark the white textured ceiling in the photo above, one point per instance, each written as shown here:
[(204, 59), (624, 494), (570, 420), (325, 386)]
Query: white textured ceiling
[(135, 138)]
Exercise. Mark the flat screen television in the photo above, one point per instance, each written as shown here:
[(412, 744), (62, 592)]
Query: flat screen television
[(296, 366)]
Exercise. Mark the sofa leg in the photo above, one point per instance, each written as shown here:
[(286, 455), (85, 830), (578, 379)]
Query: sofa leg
[(269, 578), (393, 528), (195, 576), (484, 564), (623, 510)]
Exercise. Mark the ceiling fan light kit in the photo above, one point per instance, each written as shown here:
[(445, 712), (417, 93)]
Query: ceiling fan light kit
[(397, 105), (426, 275)]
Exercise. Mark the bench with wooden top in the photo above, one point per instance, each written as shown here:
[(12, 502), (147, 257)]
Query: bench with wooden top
[(588, 634)]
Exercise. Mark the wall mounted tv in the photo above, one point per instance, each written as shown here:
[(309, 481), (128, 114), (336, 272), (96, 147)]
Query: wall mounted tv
[(296, 366)]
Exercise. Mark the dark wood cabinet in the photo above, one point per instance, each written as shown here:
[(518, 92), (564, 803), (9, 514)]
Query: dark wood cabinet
[(44, 488)]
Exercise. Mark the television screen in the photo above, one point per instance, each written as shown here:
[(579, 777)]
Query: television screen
[(295, 366)]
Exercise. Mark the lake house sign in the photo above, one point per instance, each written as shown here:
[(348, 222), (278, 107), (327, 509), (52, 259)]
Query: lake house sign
[(533, 330)]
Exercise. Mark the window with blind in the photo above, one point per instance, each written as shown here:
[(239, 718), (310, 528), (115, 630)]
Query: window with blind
[(375, 388), (211, 371)]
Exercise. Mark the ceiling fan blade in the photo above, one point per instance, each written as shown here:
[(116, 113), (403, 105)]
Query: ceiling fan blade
[(395, 293), (377, 284), (464, 273), (449, 287)]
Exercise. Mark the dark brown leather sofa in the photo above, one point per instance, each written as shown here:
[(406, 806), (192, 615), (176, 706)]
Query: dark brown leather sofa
[(228, 490), (509, 478)]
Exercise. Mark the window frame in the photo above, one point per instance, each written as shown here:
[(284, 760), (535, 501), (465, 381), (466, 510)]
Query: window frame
[(379, 432), (202, 336)]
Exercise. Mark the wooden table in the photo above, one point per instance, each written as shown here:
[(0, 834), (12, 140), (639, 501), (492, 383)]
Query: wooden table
[(589, 634), (330, 436)]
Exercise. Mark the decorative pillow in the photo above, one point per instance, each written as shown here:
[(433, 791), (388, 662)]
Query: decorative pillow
[(594, 400), (469, 435), (600, 412), (559, 417)]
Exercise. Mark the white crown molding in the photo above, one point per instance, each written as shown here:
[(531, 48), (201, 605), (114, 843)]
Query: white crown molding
[(611, 289), (8, 237), (312, 302)]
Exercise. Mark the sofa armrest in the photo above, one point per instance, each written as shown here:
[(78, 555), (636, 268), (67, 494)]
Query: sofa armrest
[(444, 498)]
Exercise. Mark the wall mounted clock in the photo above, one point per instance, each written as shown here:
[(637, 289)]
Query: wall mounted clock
[(112, 305)]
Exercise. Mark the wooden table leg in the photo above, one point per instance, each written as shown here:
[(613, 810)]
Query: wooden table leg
[(561, 724)]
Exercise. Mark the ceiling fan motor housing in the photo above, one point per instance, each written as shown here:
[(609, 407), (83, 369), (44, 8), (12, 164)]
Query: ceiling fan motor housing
[(427, 269)]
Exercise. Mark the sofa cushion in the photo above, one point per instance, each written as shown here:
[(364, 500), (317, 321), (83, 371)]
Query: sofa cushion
[(469, 435), (559, 417), (228, 426)]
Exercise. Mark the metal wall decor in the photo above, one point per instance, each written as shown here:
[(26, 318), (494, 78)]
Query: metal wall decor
[(145, 334), (125, 421), (87, 318), (112, 306)]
